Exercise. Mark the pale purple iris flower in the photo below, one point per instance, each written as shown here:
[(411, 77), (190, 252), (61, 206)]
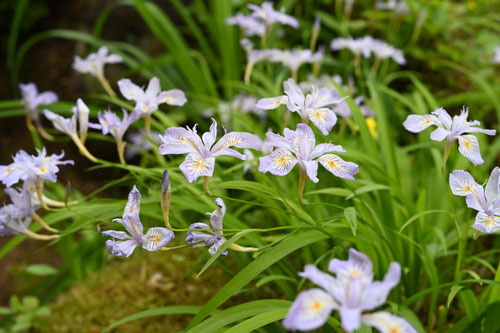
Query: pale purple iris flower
[(14, 217), (352, 291), (293, 59), (202, 152), (70, 126), (367, 45), (300, 147), (139, 142), (29, 167), (249, 24), (214, 238), (309, 107), (269, 16), (451, 129), (94, 63), (31, 99), (150, 98), (153, 240), (110, 123), (484, 200), (399, 7)]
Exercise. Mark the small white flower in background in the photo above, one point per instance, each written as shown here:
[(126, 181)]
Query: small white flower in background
[(253, 55), (249, 24), (269, 16), (399, 7), (94, 63), (70, 126), (496, 57), (367, 45), (150, 98), (293, 59), (32, 99)]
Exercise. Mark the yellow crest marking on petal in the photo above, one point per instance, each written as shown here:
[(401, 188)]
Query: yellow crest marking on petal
[(145, 108), (317, 306), (168, 100), (43, 170), (7, 171)]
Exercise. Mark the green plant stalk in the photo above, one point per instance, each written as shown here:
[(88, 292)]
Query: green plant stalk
[(206, 180), (105, 84), (302, 182), (42, 223), (447, 148), (147, 123), (39, 192)]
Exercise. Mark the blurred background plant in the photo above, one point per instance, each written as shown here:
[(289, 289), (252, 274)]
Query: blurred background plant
[(403, 209)]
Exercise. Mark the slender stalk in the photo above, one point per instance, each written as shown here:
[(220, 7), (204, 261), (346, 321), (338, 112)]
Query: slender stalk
[(55, 203), (39, 189), (29, 124), (41, 222), (120, 148), (263, 40), (206, 180), (476, 235), (239, 248), (302, 182), (33, 235), (147, 123), (248, 73), (376, 65), (295, 74), (447, 148), (43, 133), (106, 86), (83, 149), (166, 192), (357, 65)]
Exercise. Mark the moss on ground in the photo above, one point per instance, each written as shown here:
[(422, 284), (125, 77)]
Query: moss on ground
[(125, 287)]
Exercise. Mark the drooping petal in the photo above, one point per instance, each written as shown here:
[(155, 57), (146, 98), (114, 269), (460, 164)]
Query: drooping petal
[(210, 137), (469, 147), (462, 183), (417, 123), (156, 238), (130, 90), (439, 134), (486, 223), (492, 190), (386, 322), (124, 248), (172, 97), (322, 97), (238, 140), (309, 311), (377, 293), (195, 166), (280, 162), (324, 119), (133, 224), (338, 166), (270, 103), (196, 237), (116, 234), (47, 97), (443, 117), (350, 318), (11, 174), (60, 123), (324, 148), (312, 170), (480, 130), (215, 247), (319, 278), (178, 140)]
